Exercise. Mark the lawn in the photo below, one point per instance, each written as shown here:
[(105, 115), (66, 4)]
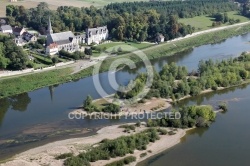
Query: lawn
[(205, 22), (125, 47)]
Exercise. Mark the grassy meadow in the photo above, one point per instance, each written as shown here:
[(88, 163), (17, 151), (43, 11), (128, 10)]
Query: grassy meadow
[(205, 22)]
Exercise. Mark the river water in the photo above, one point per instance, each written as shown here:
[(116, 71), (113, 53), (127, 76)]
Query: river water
[(45, 110)]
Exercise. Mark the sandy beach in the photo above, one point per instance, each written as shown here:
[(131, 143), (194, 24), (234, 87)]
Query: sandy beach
[(45, 155)]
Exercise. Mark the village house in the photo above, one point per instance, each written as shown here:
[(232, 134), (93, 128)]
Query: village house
[(6, 29), (160, 38), (18, 31), (29, 37), (19, 41), (96, 35)]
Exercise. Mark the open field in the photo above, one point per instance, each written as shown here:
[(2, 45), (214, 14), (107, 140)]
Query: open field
[(205, 22), (53, 4)]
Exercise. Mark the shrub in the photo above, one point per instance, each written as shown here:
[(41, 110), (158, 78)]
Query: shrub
[(143, 155), (162, 131), (63, 156)]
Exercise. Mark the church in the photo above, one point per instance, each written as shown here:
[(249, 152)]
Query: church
[(63, 40)]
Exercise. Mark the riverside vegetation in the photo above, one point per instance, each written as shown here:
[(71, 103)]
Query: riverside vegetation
[(174, 82), (12, 86), (192, 116)]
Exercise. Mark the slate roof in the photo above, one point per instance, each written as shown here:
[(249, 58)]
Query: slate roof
[(60, 38), (17, 29), (6, 27)]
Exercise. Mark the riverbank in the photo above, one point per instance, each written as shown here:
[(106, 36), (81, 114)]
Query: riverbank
[(149, 106), (10, 87), (45, 155)]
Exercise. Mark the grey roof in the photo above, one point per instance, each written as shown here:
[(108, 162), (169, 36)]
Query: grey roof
[(18, 29), (99, 30), (6, 27), (60, 38)]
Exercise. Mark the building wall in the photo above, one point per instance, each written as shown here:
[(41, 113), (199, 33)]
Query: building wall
[(6, 31), (97, 38)]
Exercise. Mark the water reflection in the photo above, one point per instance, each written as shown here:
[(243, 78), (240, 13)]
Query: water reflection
[(16, 103)]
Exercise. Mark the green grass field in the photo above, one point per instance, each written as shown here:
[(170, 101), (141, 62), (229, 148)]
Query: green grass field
[(126, 47), (205, 22)]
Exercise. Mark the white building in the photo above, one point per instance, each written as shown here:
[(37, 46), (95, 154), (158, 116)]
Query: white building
[(96, 35), (160, 38), (6, 29)]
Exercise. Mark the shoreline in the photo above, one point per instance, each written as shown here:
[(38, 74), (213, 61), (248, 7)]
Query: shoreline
[(46, 154), (148, 51)]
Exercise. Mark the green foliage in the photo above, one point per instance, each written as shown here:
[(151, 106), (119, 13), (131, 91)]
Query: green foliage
[(115, 148), (76, 161), (162, 131), (11, 56), (30, 82), (128, 128), (112, 108), (191, 116), (124, 161), (64, 156), (143, 155), (223, 106), (88, 51), (76, 55)]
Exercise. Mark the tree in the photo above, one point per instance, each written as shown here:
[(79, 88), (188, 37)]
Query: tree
[(87, 102), (55, 60), (88, 51)]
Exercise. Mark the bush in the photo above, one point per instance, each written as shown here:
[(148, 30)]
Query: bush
[(171, 133), (143, 155), (223, 106), (162, 131), (76, 161), (125, 161), (64, 156)]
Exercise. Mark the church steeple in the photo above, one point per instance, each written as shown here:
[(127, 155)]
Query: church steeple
[(49, 30)]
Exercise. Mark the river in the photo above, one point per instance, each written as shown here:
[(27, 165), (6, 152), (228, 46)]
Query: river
[(29, 118)]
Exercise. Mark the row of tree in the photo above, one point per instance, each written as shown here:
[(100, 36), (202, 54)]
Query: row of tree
[(126, 21)]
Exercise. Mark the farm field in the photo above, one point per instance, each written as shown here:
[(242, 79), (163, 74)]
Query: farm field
[(53, 4), (205, 22)]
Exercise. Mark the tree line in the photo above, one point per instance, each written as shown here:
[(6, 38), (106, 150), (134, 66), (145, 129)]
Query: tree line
[(126, 21)]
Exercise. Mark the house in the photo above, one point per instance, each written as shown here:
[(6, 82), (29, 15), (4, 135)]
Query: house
[(96, 35), (13, 0), (160, 38), (19, 41), (62, 41), (6, 29), (29, 37), (18, 31)]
